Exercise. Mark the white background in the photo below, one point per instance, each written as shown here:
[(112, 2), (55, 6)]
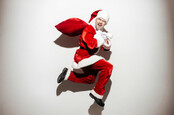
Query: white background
[(30, 60)]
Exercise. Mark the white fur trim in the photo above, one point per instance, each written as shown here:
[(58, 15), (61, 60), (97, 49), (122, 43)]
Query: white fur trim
[(86, 62), (99, 38), (67, 74), (75, 65), (107, 46), (103, 14), (96, 95)]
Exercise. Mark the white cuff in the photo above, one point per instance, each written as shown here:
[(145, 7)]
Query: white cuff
[(107, 46), (86, 62), (100, 40), (96, 95), (67, 74)]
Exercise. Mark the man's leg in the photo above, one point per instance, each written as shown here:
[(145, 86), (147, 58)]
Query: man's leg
[(87, 77), (105, 69)]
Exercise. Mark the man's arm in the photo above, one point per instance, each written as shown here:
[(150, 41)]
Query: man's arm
[(91, 38), (107, 41)]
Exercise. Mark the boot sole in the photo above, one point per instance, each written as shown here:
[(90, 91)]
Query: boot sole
[(61, 77), (93, 97)]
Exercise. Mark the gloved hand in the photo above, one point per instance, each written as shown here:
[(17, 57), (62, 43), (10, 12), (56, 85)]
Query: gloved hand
[(106, 35), (103, 34), (106, 41)]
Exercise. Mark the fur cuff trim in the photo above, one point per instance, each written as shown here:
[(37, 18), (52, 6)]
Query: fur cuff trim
[(67, 74), (86, 62), (107, 46), (96, 94), (100, 39)]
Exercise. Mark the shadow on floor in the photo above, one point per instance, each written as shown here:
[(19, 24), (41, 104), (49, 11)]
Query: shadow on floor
[(94, 109), (67, 41)]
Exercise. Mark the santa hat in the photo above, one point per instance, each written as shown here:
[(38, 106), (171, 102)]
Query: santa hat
[(100, 14)]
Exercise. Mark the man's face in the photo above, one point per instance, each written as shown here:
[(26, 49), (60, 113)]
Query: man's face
[(100, 23)]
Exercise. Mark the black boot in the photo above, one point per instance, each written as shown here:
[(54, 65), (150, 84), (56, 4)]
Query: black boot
[(97, 100), (62, 75)]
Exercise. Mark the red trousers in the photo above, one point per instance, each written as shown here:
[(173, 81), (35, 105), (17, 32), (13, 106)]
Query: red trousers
[(90, 73)]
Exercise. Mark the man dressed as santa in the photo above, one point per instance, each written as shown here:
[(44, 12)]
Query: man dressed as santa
[(93, 38)]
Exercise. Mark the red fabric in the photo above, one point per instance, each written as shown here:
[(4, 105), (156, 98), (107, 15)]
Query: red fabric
[(71, 26), (80, 55), (88, 37), (93, 15), (90, 73), (87, 43)]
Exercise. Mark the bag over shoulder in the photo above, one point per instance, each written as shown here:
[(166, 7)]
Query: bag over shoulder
[(71, 26)]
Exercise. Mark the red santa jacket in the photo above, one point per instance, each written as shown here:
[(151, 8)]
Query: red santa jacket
[(90, 42)]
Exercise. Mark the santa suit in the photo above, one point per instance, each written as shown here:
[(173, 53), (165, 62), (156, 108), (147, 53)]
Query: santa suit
[(90, 42)]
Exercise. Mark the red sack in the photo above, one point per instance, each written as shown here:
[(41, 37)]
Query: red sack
[(71, 26)]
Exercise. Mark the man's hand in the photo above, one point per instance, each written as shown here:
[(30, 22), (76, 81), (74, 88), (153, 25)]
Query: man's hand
[(106, 35), (106, 41), (109, 36)]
